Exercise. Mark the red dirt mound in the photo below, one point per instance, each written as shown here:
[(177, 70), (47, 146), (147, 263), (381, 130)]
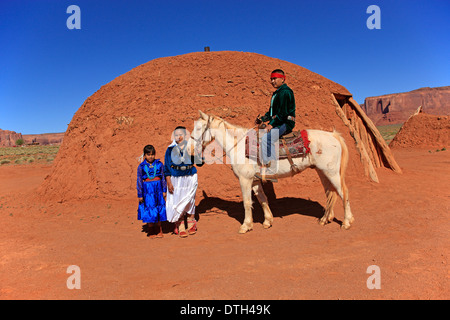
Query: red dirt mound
[(98, 155), (423, 131)]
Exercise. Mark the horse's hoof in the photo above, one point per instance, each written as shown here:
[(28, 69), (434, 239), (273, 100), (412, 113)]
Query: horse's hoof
[(345, 226), (267, 225), (244, 229)]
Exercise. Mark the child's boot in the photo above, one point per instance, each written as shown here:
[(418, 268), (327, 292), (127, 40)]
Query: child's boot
[(182, 230), (192, 226)]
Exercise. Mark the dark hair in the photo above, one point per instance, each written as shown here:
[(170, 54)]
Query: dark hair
[(278, 71), (149, 149), (180, 128)]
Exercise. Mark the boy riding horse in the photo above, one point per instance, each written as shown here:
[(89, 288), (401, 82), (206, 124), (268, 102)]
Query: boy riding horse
[(281, 121)]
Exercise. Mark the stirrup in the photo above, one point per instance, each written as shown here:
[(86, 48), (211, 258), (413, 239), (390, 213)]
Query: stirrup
[(265, 178)]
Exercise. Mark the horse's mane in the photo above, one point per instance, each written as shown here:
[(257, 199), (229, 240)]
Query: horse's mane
[(226, 123)]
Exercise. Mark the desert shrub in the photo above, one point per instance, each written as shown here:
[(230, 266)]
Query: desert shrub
[(389, 131), (29, 154)]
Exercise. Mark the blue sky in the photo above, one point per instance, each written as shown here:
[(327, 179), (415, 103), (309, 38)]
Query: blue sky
[(47, 70)]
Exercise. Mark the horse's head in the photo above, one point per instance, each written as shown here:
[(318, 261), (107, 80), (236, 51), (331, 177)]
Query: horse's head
[(202, 133)]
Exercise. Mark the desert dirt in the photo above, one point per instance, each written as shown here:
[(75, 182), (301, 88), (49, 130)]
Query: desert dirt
[(401, 226)]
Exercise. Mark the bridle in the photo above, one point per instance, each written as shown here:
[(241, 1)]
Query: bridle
[(202, 137)]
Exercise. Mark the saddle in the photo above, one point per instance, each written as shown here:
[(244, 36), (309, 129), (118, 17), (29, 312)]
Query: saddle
[(292, 145)]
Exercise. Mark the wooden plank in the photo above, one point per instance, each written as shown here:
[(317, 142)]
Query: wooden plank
[(365, 159), (379, 139)]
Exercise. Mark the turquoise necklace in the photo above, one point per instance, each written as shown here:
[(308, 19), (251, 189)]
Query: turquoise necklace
[(146, 169)]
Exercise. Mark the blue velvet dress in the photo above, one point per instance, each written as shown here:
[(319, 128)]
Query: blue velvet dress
[(153, 209)]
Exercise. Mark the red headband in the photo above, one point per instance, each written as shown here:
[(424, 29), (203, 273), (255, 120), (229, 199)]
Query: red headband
[(277, 75)]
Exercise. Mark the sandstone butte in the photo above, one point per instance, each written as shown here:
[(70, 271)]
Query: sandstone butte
[(9, 138), (98, 157), (398, 107)]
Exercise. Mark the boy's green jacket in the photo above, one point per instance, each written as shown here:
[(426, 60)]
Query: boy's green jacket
[(282, 106)]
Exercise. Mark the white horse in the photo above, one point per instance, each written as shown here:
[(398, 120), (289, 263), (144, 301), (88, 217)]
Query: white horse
[(328, 156)]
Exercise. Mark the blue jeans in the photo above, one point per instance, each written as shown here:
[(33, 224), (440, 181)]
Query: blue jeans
[(269, 150)]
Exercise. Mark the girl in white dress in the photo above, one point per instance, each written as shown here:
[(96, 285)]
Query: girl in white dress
[(181, 177)]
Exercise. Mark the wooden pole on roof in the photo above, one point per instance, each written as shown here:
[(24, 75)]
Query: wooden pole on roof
[(369, 169), (386, 151)]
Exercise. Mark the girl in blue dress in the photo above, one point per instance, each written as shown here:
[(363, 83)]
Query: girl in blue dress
[(151, 188)]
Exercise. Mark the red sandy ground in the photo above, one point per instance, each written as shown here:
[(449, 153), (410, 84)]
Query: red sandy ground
[(401, 226)]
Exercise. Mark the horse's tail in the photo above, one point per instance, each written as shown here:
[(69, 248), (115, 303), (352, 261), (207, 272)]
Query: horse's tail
[(344, 163)]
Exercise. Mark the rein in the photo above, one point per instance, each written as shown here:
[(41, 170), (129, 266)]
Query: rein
[(202, 137), (208, 125)]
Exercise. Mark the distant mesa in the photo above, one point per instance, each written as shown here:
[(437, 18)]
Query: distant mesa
[(8, 138), (398, 107), (44, 138)]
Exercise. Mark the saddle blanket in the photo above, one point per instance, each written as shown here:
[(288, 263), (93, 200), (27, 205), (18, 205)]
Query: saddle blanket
[(296, 142)]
